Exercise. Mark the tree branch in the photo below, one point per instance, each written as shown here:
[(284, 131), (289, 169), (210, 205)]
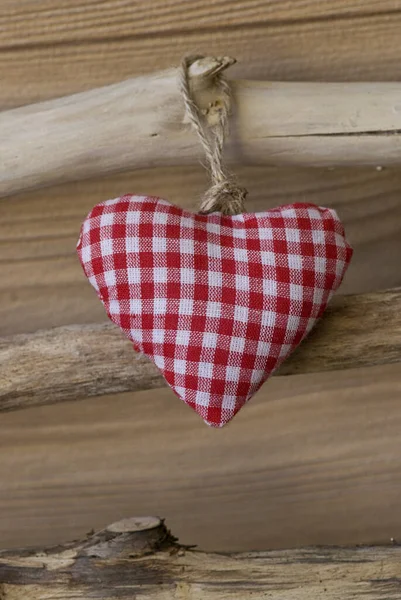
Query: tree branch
[(140, 123), (78, 361), (139, 557)]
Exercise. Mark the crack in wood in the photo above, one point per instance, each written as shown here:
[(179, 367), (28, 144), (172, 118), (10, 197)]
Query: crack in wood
[(372, 133)]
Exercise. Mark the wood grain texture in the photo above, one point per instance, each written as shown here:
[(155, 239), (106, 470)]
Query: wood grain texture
[(85, 47), (140, 557), (81, 361), (311, 460), (314, 459), (48, 23)]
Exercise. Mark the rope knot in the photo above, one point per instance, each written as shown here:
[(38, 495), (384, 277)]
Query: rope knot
[(226, 197)]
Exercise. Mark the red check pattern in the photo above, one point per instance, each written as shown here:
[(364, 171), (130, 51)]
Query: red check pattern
[(217, 302)]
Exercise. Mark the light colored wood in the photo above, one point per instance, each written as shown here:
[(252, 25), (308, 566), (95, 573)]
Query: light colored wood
[(140, 557), (85, 135), (82, 361)]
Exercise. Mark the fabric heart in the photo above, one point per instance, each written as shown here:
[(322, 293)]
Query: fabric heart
[(217, 302)]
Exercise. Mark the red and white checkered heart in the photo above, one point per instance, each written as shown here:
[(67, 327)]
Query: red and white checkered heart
[(217, 302)]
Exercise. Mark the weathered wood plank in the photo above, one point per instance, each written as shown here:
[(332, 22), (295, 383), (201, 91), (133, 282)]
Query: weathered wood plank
[(140, 557), (47, 22), (82, 361), (354, 48), (312, 459)]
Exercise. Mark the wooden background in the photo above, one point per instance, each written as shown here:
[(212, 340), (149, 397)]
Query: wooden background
[(312, 459)]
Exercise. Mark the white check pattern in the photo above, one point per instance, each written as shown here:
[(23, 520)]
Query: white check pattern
[(216, 302)]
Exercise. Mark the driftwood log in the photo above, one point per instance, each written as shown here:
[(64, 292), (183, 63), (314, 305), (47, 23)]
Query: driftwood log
[(75, 362), (140, 123), (139, 558)]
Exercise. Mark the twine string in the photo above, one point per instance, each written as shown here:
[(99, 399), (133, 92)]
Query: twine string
[(224, 194)]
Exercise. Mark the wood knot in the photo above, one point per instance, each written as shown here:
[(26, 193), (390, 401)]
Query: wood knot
[(129, 538)]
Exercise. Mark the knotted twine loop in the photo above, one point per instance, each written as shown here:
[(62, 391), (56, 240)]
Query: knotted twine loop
[(224, 194)]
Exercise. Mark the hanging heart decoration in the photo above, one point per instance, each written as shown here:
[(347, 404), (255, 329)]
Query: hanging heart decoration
[(217, 299), (217, 302)]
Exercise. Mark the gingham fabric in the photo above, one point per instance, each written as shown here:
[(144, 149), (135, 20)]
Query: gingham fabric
[(217, 302)]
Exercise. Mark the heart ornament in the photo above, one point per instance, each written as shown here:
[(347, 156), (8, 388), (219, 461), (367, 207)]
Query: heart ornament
[(218, 302)]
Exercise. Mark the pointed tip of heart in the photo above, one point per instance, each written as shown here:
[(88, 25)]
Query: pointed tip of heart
[(213, 425), (216, 416)]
